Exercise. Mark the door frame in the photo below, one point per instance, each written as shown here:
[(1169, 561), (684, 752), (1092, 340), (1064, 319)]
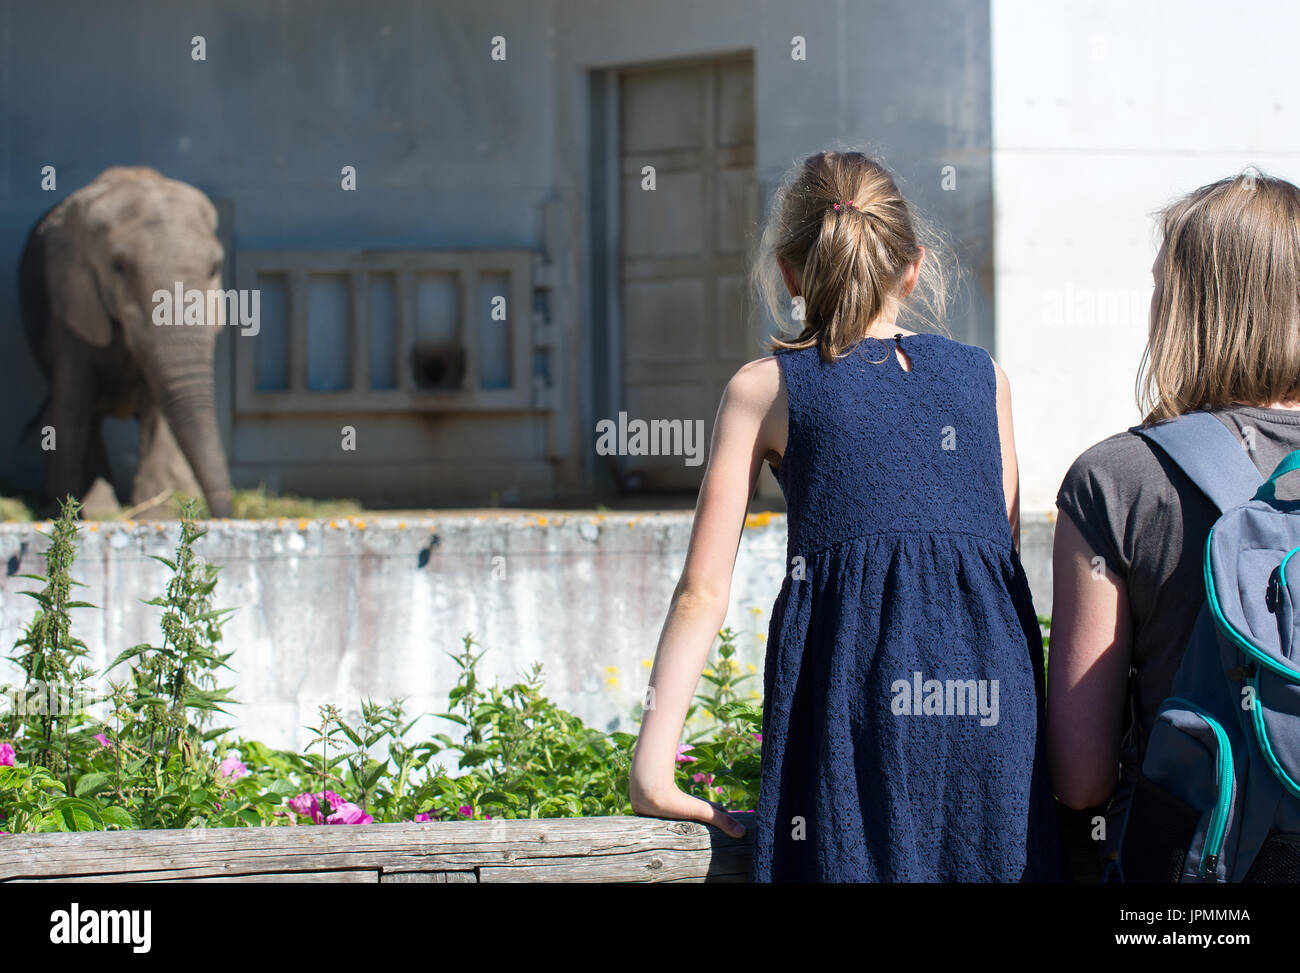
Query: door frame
[(605, 239)]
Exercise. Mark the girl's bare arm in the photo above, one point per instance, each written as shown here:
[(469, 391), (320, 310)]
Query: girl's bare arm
[(1010, 468), (750, 427), (1087, 677)]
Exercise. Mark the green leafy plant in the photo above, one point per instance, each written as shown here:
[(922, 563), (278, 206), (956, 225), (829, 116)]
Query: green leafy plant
[(175, 682), (527, 757), (722, 763), (51, 656), (154, 761)]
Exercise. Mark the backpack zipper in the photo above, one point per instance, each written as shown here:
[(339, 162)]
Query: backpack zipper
[(1264, 659), (1267, 661), (1218, 827)]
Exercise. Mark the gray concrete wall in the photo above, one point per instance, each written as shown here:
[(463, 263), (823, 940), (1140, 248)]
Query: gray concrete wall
[(334, 611)]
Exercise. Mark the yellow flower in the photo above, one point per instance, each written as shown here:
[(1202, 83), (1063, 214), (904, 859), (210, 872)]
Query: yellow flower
[(708, 672), (647, 664), (753, 694), (751, 667), (611, 682), (610, 670), (760, 636), (756, 610)]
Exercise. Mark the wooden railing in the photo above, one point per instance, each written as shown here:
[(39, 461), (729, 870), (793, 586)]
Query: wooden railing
[(613, 849)]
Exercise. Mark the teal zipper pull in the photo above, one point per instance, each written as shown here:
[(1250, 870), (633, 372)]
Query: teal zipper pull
[(1224, 771)]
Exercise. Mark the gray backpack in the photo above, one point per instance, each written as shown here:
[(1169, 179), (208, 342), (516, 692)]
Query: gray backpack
[(1218, 799)]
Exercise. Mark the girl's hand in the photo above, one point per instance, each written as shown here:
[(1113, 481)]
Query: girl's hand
[(676, 805)]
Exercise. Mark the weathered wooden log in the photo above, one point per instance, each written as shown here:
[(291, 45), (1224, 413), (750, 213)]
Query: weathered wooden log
[(610, 849)]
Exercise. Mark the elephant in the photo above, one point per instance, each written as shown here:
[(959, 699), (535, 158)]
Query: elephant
[(88, 277)]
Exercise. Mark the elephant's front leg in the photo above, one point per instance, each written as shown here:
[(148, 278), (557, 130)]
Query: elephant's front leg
[(70, 416), (162, 466)]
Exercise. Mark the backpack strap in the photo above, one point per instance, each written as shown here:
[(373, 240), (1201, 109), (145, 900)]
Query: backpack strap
[(1211, 456)]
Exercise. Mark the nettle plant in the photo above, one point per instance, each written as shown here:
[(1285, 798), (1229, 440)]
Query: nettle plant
[(145, 754)]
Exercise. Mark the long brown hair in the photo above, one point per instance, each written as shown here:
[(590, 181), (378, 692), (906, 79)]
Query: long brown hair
[(850, 259), (1225, 316)]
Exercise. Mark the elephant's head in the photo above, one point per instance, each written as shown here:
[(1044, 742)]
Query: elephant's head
[(110, 248)]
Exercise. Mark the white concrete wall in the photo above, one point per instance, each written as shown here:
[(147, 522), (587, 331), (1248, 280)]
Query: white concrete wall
[(334, 611), (1103, 112)]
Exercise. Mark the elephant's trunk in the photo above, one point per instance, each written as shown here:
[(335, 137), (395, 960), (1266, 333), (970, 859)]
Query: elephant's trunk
[(187, 400)]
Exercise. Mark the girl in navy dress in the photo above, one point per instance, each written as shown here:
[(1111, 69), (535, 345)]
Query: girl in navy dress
[(903, 680)]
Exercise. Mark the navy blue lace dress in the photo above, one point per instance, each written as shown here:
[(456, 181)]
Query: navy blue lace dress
[(903, 683)]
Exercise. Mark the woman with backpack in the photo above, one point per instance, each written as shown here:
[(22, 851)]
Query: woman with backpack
[(1128, 558)]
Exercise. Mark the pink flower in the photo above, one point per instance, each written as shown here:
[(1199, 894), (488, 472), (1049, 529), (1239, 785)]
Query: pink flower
[(6, 755), (682, 749), (466, 810), (347, 813), (306, 805), (758, 737), (423, 817), (309, 806), (334, 799), (702, 778), (102, 740), (232, 767)]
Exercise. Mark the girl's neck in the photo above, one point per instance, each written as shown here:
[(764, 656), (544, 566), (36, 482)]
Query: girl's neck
[(1292, 406), (885, 330)]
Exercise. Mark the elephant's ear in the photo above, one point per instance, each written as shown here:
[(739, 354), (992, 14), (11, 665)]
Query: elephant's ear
[(75, 301)]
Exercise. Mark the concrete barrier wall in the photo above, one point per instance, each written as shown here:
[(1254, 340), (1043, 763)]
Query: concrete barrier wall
[(335, 611)]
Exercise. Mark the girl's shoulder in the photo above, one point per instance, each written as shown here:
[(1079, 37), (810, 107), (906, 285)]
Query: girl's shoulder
[(1117, 490), (756, 383), (1124, 456)]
